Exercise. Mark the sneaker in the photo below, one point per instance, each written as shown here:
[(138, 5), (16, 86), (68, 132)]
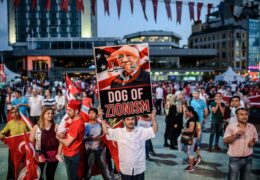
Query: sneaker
[(209, 149), (217, 148), (59, 158), (189, 168), (148, 158), (152, 153), (166, 145), (196, 162)]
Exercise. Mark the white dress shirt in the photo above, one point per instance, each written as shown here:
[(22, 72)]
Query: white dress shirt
[(131, 148)]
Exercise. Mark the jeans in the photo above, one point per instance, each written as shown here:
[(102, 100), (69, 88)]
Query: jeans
[(133, 177), (240, 168), (71, 164), (158, 105), (216, 128), (98, 156), (50, 170), (148, 147)]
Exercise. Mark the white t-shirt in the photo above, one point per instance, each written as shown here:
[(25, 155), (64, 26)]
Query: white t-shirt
[(35, 104), (233, 87), (131, 148), (159, 93), (92, 130)]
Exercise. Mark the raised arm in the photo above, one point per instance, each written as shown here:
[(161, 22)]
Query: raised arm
[(154, 122)]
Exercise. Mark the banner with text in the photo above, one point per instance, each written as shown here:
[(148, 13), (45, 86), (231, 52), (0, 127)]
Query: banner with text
[(123, 77)]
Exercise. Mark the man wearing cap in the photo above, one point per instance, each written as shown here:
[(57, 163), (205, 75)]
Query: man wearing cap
[(131, 146), (73, 139), (127, 61)]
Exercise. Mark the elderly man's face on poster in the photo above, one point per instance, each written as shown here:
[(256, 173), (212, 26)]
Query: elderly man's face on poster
[(128, 62)]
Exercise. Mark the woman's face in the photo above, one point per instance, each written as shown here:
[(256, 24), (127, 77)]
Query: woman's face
[(48, 115), (47, 93)]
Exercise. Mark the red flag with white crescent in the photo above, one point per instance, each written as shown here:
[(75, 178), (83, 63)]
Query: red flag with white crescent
[(132, 6), (118, 3), (199, 7), (47, 6), (155, 5), (80, 5), (93, 7), (71, 88), (179, 11), (27, 121), (64, 6), (191, 10), (16, 151), (143, 3), (168, 8)]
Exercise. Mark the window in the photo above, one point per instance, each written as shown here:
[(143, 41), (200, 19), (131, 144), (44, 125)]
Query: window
[(223, 36), (223, 54), (223, 44)]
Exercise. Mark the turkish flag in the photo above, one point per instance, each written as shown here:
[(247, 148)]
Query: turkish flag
[(71, 88), (199, 7), (112, 146), (64, 6), (80, 5), (132, 6), (34, 4), (31, 165), (17, 150), (191, 10), (168, 8), (16, 3), (118, 3), (143, 2), (179, 11), (47, 5), (106, 7), (155, 5), (93, 7)]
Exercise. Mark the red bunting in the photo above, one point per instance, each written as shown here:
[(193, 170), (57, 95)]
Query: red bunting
[(34, 4), (47, 6), (168, 8), (155, 5), (179, 11), (143, 2), (16, 3), (199, 7), (132, 6), (118, 3), (93, 7), (209, 8), (80, 5), (191, 9), (106, 7), (64, 6)]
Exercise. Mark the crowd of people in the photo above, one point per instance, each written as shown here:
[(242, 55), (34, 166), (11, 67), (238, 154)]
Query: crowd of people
[(61, 134)]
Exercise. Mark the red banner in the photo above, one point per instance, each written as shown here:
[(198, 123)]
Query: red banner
[(155, 5), (191, 10), (34, 4), (143, 2), (168, 8), (179, 11), (93, 7), (118, 3), (64, 6), (106, 7), (80, 5), (47, 6), (2, 74), (199, 7), (132, 6)]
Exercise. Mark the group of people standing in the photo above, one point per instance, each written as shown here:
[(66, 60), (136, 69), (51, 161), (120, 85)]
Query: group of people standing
[(187, 115)]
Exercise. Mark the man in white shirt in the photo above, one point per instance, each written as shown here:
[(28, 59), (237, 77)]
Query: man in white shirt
[(36, 105), (159, 98), (131, 146)]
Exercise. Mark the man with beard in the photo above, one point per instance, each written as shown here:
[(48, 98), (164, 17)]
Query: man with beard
[(131, 146), (127, 61), (73, 138), (240, 137)]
